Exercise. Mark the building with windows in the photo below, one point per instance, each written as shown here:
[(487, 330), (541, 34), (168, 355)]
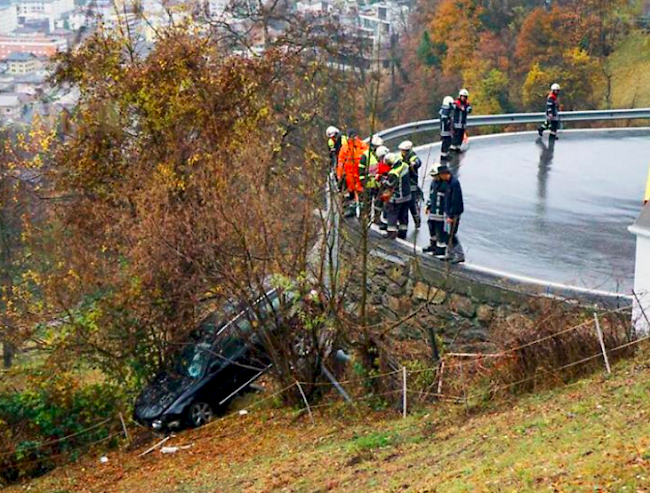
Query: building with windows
[(36, 44), (22, 63), (8, 18), (51, 10), (380, 24)]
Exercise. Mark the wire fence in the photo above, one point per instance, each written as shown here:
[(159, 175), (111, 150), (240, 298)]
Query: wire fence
[(451, 379)]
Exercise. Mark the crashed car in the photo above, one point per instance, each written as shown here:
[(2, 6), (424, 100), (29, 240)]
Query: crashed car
[(221, 360)]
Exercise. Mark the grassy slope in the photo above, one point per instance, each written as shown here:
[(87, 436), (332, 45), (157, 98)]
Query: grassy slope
[(630, 66), (593, 435)]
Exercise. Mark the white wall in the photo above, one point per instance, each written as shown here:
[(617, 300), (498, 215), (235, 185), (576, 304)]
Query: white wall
[(642, 284), (8, 19)]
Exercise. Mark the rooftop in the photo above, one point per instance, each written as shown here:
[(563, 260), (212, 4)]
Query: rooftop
[(20, 57), (10, 99)]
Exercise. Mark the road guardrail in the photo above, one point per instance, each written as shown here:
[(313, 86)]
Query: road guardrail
[(516, 118)]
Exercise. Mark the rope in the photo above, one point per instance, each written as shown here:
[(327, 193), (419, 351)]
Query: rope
[(62, 439), (59, 454)]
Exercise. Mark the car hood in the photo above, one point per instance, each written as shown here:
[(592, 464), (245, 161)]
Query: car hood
[(160, 394)]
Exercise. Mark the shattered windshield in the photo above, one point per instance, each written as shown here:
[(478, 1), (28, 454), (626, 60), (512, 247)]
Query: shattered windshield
[(194, 359)]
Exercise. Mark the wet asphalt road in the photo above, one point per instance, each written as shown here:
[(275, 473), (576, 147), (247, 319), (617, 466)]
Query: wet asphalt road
[(557, 213)]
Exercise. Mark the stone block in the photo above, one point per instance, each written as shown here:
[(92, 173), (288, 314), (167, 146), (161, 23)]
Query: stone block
[(485, 314), (517, 321), (395, 289), (462, 306)]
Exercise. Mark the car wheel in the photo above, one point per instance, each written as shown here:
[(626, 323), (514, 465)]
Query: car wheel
[(199, 413)]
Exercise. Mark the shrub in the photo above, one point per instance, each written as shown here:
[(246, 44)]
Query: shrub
[(34, 421)]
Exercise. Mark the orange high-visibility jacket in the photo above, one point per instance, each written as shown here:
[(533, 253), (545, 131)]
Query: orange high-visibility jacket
[(349, 157)]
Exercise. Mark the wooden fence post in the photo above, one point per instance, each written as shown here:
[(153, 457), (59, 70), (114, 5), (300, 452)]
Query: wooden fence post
[(602, 343), (403, 392), (126, 432), (304, 398)]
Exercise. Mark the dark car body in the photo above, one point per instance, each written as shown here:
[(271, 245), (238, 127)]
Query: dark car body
[(221, 359)]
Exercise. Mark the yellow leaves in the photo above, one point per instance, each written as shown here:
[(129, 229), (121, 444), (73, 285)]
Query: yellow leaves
[(169, 178)]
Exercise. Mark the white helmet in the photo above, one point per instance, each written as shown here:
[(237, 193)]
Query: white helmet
[(407, 145), (434, 169), (332, 131), (391, 158), (463, 92), (377, 141), (448, 101), (555, 87), (381, 151)]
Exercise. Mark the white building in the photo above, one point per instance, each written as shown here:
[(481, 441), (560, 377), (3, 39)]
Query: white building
[(641, 308), (8, 18), (11, 106), (380, 22), (22, 63), (52, 10)]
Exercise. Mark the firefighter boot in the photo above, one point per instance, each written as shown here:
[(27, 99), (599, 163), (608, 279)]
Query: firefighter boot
[(401, 234), (391, 235)]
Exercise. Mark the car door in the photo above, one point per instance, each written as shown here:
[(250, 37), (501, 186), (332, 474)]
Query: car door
[(222, 375)]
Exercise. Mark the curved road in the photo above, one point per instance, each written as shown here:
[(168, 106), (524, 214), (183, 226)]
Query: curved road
[(558, 213)]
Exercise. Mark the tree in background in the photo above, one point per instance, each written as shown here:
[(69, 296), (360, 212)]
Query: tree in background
[(488, 46)]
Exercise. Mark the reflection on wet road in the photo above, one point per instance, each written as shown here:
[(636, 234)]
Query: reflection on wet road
[(557, 211)]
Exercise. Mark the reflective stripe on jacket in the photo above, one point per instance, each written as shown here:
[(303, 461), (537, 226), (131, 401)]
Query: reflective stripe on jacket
[(552, 107), (436, 202), (414, 163), (334, 145), (398, 179), (349, 159), (460, 113), (368, 169), (446, 121)]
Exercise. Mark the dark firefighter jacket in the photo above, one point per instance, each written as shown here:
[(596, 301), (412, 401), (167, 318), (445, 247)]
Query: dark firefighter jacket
[(552, 107), (446, 121), (398, 180), (334, 144), (436, 202), (414, 163), (461, 110), (454, 206)]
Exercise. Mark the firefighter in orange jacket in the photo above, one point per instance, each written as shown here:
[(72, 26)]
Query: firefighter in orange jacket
[(349, 158)]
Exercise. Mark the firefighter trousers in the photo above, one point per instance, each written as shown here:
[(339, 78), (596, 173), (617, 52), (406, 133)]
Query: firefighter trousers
[(398, 218)]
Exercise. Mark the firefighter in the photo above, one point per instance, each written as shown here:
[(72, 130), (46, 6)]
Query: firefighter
[(398, 184), (411, 158), (369, 162), (462, 108), (379, 205), (454, 208), (552, 122), (371, 182), (349, 158), (334, 142), (436, 215), (446, 126)]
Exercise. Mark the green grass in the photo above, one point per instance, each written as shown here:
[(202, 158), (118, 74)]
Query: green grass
[(630, 69), (592, 435)]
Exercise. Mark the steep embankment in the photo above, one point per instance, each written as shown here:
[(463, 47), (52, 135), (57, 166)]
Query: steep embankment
[(593, 435), (630, 69)]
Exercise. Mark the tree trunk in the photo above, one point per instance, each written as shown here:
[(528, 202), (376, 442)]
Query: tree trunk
[(8, 351)]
